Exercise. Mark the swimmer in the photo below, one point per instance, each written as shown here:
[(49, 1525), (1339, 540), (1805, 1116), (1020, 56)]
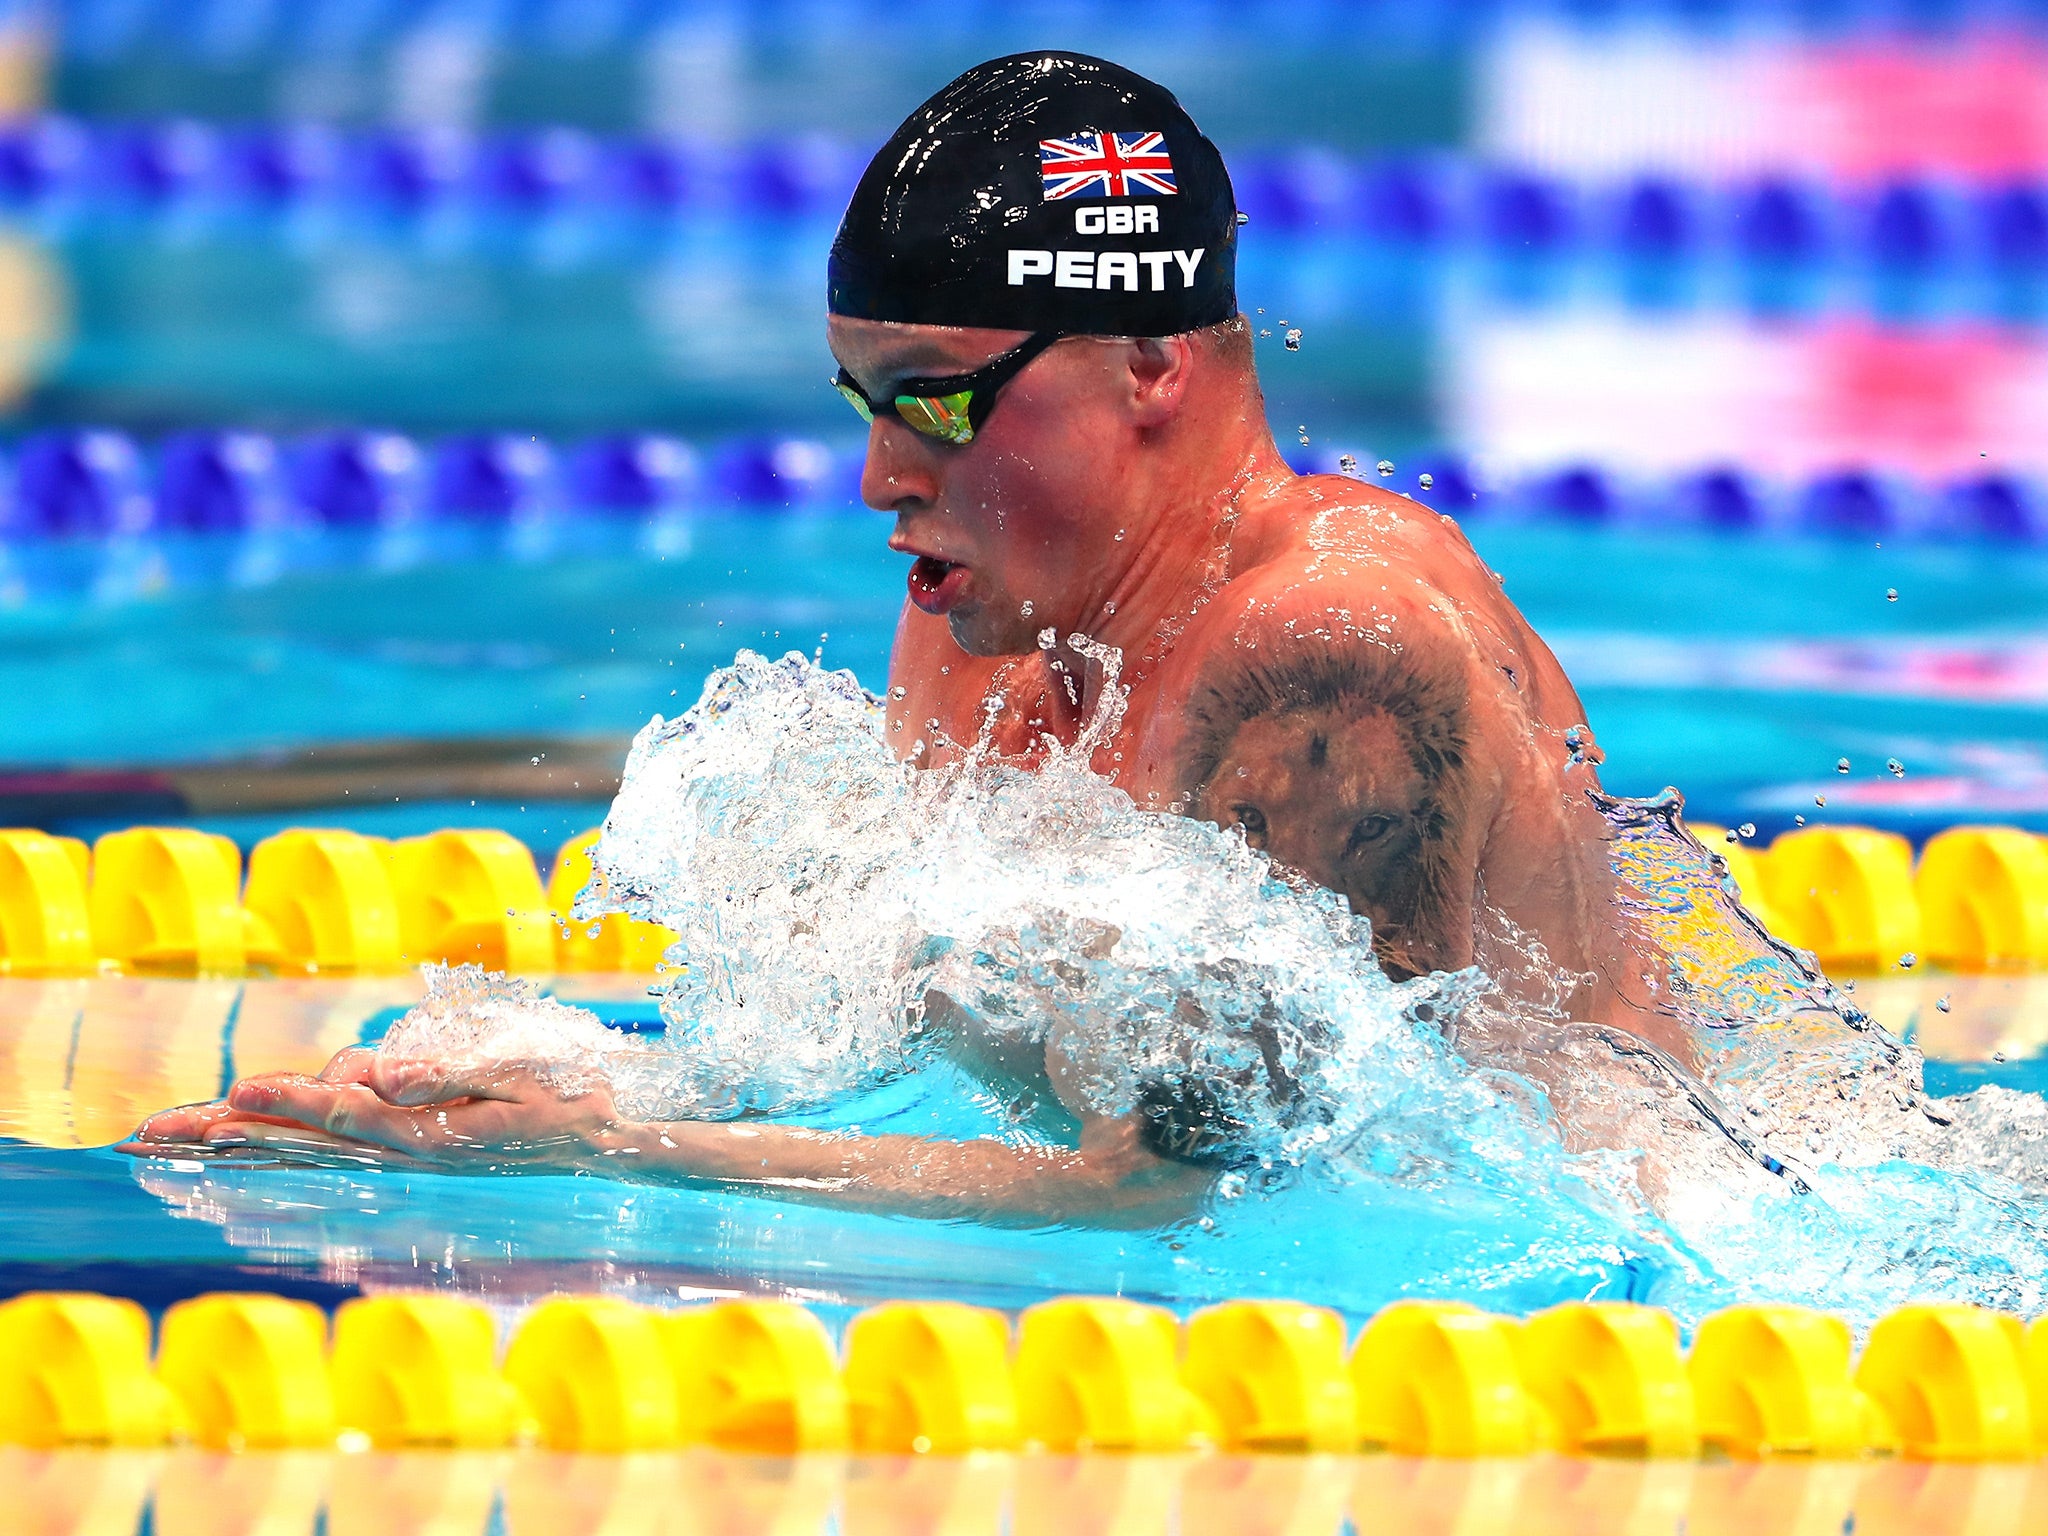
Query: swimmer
[(1033, 306)]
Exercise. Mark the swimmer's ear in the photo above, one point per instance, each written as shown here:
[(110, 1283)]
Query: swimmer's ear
[(1160, 367)]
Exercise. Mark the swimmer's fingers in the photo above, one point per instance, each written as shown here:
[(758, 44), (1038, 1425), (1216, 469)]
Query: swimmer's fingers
[(351, 1112), (500, 1106), (421, 1080), (450, 1132), (189, 1123), (299, 1143), (191, 1126), (185, 1123), (351, 1064)]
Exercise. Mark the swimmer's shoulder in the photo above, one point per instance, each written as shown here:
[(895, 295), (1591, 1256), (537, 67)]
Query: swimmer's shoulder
[(1332, 536), (1303, 606), (1342, 511), (1328, 561)]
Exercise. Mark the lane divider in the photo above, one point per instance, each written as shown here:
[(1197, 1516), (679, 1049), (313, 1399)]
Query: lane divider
[(170, 900), (1775, 1380), (1611, 1378), (1976, 899), (598, 1374), (422, 1370), (537, 177), (229, 504), (1441, 1377)]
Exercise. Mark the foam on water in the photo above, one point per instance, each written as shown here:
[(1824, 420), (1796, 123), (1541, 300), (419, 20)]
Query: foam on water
[(846, 920)]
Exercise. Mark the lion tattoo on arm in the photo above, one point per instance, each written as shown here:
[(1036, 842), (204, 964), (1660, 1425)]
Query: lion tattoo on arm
[(1349, 767)]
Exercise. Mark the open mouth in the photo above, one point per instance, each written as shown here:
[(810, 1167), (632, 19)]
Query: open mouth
[(935, 584)]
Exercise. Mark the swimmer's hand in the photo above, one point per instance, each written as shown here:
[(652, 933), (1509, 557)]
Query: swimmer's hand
[(482, 1117), (364, 1105)]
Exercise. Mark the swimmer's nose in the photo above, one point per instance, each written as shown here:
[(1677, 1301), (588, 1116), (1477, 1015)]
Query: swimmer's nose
[(900, 473)]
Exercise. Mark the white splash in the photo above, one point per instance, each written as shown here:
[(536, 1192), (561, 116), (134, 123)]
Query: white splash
[(845, 918), (823, 893)]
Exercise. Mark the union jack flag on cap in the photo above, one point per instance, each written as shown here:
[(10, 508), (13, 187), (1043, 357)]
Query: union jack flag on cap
[(1106, 165)]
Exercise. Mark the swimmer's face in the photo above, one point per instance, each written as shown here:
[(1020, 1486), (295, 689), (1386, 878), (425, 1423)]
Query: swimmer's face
[(1016, 530), (1335, 795)]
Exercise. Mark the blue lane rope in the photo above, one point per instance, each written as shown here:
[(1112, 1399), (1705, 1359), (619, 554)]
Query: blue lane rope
[(86, 486), (1910, 223)]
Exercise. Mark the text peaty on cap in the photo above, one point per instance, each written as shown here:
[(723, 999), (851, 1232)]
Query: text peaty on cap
[(1042, 192)]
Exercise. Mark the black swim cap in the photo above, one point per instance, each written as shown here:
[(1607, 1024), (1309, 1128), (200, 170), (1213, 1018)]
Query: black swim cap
[(1043, 192)]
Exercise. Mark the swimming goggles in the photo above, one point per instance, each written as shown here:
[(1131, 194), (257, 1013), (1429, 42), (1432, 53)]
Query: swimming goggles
[(950, 409)]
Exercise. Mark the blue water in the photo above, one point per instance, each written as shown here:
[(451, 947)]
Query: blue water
[(1405, 1172), (1738, 669), (169, 1228), (162, 1230)]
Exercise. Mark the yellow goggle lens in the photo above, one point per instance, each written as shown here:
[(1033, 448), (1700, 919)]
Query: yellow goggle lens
[(853, 398), (940, 416)]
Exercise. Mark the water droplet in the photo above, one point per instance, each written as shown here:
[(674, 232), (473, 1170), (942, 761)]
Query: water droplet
[(1119, 535), (1109, 608), (1798, 821), (1294, 340), (1346, 464), (1999, 1057), (932, 724), (1385, 467), (1895, 768), (1841, 765), (899, 691), (1425, 480), (1732, 835), (1908, 960), (1048, 637), (1263, 331), (1244, 218), (1941, 1003), (1820, 799), (1891, 594), (1026, 609), (1747, 829)]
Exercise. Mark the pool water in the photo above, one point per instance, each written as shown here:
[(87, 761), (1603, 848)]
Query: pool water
[(1421, 1177), (84, 1060), (90, 1058), (1736, 668)]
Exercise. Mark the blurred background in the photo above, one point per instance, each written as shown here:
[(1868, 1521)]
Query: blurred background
[(405, 400)]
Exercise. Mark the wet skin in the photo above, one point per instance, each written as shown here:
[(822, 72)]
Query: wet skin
[(1323, 664), (1327, 664)]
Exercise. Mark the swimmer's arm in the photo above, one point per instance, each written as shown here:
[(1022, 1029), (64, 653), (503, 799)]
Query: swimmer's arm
[(504, 1116), (1334, 709), (1109, 1176), (1343, 714)]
